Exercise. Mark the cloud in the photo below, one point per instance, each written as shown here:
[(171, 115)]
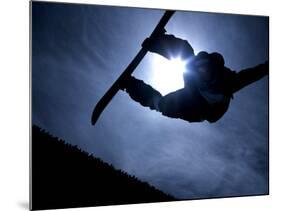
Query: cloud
[(79, 51)]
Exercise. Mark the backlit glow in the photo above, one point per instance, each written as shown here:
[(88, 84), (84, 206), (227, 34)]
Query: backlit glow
[(167, 74)]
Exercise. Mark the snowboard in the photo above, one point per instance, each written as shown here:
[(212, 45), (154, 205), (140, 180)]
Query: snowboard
[(112, 91)]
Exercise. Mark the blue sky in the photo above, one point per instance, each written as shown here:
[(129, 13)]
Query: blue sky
[(78, 51)]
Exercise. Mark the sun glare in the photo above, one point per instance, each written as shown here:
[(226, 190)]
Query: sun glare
[(167, 74)]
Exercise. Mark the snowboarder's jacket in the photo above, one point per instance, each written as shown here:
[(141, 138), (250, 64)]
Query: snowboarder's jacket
[(209, 85)]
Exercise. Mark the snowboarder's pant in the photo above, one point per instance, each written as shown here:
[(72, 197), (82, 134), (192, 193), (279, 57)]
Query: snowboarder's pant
[(149, 97)]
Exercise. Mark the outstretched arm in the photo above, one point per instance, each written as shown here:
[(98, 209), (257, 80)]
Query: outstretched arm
[(249, 75), (168, 46)]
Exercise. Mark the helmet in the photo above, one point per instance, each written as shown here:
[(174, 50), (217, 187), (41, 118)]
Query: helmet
[(204, 67)]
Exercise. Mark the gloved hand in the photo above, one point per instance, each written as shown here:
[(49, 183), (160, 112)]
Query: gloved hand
[(149, 41)]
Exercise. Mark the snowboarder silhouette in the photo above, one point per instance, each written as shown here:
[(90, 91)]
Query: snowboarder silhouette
[(208, 85)]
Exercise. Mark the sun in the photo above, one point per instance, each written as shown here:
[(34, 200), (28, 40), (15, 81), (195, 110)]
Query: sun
[(167, 75)]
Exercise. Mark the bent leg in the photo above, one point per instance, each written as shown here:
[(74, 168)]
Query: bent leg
[(250, 75), (143, 93), (181, 104)]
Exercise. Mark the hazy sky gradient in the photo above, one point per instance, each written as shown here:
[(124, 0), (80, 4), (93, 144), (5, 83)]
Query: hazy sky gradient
[(78, 51)]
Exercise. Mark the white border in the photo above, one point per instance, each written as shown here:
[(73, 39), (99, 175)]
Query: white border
[(14, 112)]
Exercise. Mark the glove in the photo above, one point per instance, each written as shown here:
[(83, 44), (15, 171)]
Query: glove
[(149, 41)]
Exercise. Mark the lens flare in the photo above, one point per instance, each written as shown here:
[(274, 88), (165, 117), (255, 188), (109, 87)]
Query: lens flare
[(168, 74)]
